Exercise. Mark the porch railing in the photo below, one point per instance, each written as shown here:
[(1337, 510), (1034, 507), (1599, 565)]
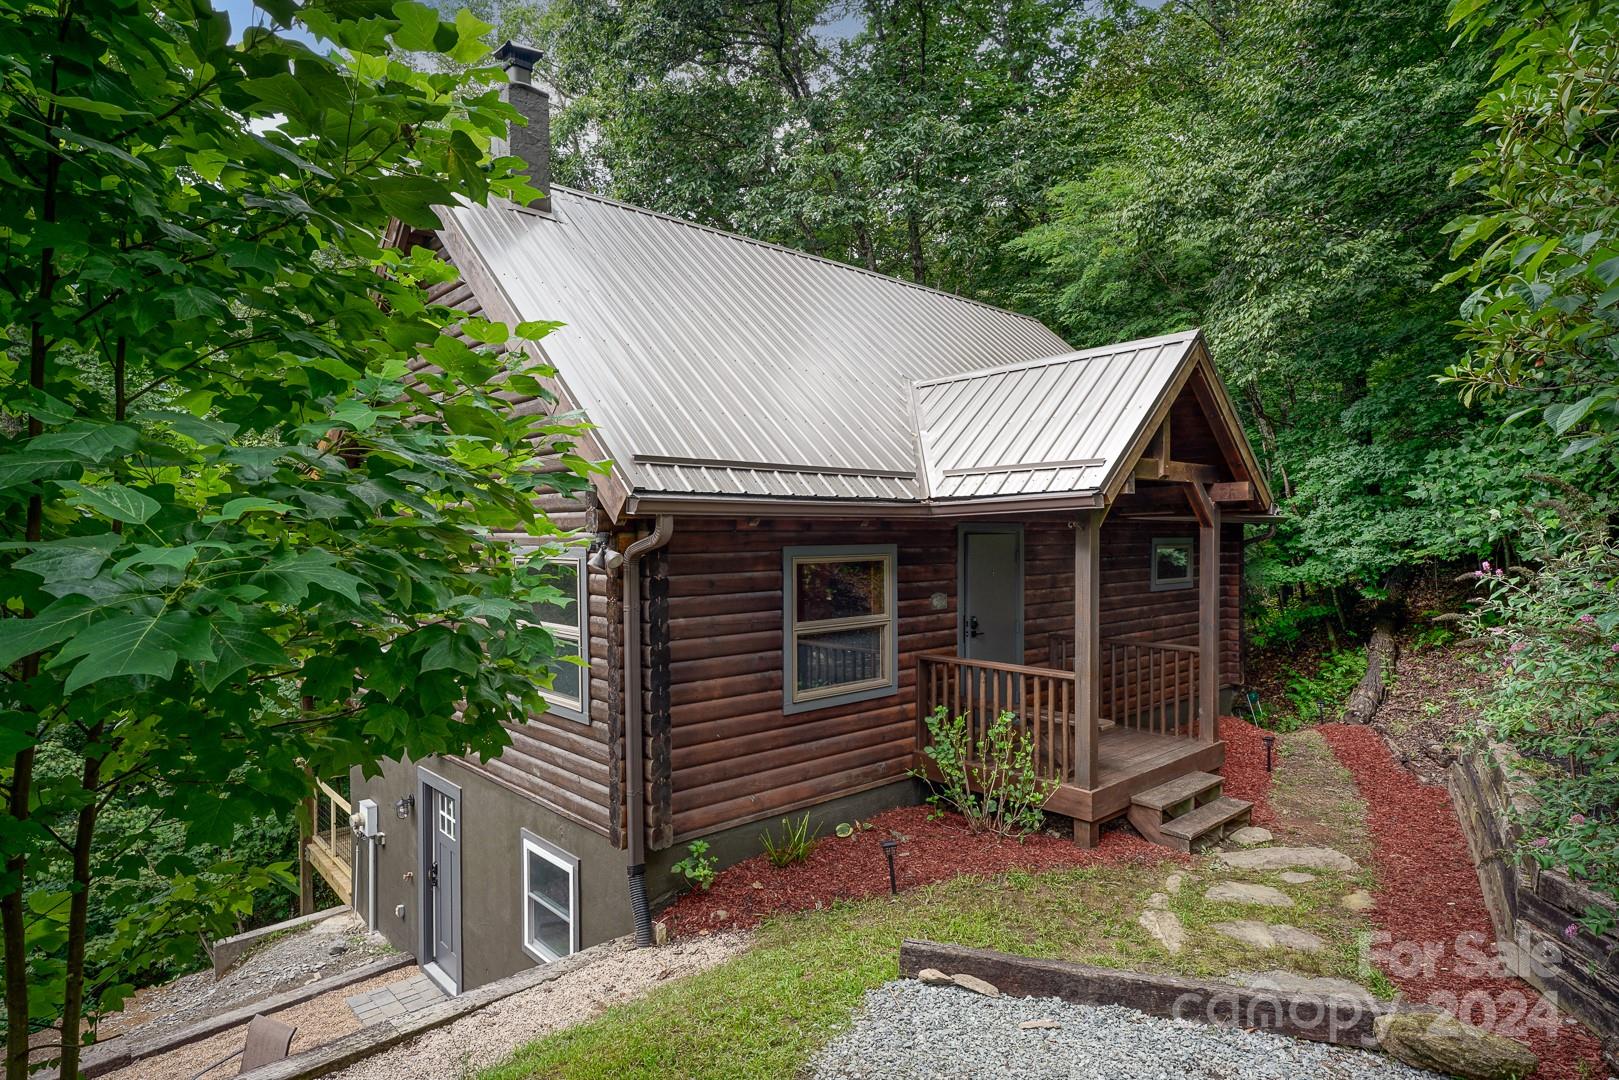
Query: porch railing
[(1147, 685), (1042, 699), (326, 846)]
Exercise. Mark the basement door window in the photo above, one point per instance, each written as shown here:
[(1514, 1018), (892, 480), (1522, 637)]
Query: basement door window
[(550, 900), (839, 625), (564, 616), (1171, 563)]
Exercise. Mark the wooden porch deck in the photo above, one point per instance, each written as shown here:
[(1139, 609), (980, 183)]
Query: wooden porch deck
[(1147, 732)]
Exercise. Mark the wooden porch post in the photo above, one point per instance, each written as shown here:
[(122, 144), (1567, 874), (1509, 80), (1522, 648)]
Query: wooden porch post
[(1208, 612), (1087, 645)]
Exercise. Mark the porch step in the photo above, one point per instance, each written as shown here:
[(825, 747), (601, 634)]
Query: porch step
[(1194, 787), (1181, 813), (1208, 824)]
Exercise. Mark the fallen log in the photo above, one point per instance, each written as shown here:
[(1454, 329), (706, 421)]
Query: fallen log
[(1382, 654)]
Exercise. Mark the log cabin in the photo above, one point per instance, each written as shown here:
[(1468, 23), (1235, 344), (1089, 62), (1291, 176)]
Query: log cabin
[(837, 501)]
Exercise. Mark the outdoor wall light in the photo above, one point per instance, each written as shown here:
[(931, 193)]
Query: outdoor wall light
[(1270, 745), (888, 850), (605, 558), (405, 806)]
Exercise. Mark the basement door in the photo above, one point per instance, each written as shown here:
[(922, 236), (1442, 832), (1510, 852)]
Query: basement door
[(991, 593), (441, 882)]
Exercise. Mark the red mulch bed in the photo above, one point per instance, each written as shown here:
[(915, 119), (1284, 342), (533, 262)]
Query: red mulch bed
[(854, 868), (1244, 768), (1429, 894)]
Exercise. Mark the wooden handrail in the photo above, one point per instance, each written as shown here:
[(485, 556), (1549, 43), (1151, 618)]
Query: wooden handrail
[(1041, 699)]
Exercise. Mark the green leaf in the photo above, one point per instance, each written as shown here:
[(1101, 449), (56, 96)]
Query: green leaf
[(115, 501), (26, 466), (58, 622), (418, 26), (288, 579), (89, 439), (73, 559), (536, 329), (176, 558), (236, 647), (134, 644), (469, 44), (247, 505)]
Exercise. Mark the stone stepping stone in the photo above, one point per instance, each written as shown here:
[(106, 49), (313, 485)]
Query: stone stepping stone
[(1266, 936), (1242, 892), (1251, 836), (1288, 858), (1296, 877), (1359, 900), (1173, 883), (1165, 928), (1287, 982)]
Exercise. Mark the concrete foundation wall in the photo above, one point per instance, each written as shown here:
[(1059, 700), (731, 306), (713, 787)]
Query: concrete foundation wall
[(492, 820)]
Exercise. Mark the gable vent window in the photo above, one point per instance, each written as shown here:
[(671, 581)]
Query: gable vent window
[(839, 625), (550, 900), (1171, 563), (565, 617)]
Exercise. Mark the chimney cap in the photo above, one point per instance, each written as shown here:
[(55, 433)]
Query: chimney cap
[(519, 60)]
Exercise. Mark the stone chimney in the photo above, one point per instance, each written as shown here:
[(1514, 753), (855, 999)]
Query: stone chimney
[(531, 142)]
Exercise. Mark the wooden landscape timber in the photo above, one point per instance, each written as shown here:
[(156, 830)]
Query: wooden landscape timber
[(1343, 1021)]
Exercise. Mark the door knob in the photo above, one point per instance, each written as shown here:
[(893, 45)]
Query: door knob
[(972, 626)]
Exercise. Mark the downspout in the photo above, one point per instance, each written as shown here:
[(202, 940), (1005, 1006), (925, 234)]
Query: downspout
[(634, 723)]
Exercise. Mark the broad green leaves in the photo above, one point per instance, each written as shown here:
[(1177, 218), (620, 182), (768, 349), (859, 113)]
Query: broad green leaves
[(240, 539)]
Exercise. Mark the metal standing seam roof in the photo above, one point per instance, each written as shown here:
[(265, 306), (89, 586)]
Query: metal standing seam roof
[(717, 365), (1061, 424)]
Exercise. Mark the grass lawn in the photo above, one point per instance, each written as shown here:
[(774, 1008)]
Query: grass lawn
[(766, 1012)]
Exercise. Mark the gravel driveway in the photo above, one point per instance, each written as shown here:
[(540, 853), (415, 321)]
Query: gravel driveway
[(908, 1031)]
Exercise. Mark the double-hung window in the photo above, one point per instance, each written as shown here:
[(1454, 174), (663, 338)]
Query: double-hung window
[(839, 630), (550, 900), (565, 617)]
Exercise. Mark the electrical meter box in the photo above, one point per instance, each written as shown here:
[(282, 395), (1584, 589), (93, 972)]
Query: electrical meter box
[(367, 812)]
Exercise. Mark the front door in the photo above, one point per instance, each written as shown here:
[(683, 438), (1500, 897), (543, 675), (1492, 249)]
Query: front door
[(441, 879), (992, 593)]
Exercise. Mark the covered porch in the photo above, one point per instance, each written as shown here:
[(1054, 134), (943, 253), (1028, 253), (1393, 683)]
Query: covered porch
[(1108, 717)]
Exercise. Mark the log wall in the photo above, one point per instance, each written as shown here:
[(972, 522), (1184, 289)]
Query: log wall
[(724, 750), (572, 767)]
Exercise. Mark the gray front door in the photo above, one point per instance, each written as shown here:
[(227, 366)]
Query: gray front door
[(441, 866), (992, 593)]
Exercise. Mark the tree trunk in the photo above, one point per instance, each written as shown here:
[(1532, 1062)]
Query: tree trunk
[(1382, 654)]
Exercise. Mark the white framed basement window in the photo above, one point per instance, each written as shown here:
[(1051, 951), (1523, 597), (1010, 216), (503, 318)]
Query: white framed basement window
[(550, 888), (1171, 563), (567, 620), (839, 627)]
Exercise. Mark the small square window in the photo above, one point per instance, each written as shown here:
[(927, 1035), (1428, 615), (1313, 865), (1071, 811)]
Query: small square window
[(1171, 563), (550, 884)]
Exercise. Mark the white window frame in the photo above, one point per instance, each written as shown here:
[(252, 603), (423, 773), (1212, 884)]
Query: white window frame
[(558, 703), (795, 700), (533, 846), (1171, 584)]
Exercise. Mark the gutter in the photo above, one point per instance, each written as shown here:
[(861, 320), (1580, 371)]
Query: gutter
[(634, 724)]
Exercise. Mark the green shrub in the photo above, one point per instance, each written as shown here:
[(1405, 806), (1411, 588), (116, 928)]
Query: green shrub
[(796, 843), (1553, 631), (1322, 696), (698, 867), (992, 784)]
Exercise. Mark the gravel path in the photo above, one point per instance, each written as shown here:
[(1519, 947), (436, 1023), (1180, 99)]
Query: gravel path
[(908, 1031), (318, 1021), (301, 956), (490, 1035)]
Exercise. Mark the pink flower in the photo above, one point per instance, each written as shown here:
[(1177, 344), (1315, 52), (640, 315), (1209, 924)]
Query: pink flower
[(1588, 618), (1500, 573), (1486, 565), (1571, 931), (1576, 819), (1540, 841), (1519, 646)]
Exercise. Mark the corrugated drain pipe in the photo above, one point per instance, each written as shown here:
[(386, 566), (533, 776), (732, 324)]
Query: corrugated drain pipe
[(634, 742)]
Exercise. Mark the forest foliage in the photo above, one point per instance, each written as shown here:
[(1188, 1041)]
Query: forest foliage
[(1297, 177)]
